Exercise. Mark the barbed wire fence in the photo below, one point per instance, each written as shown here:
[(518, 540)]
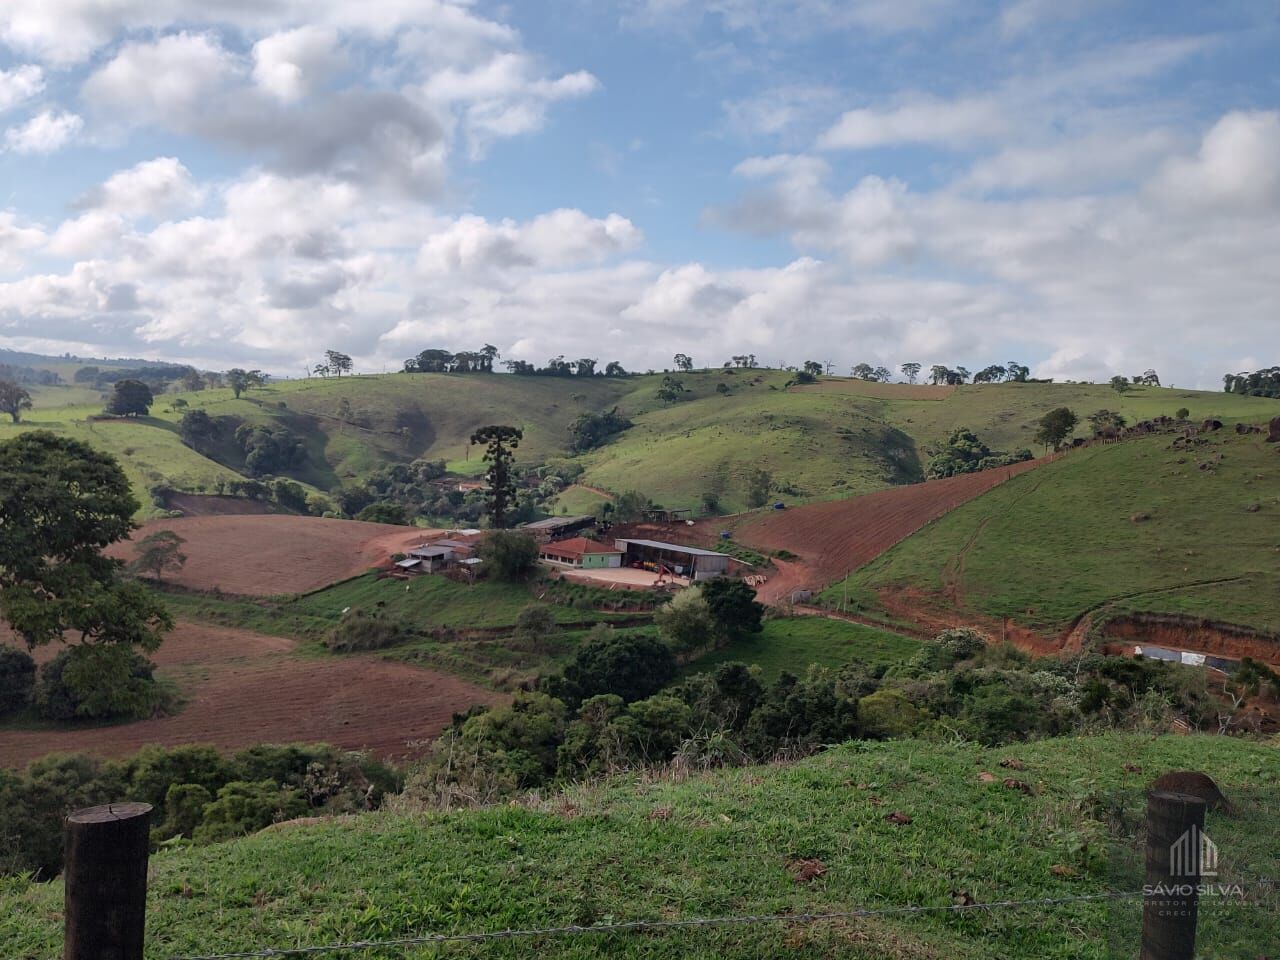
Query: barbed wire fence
[(106, 886)]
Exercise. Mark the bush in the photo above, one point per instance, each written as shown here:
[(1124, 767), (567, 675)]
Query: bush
[(17, 679), (243, 807), (632, 666), (508, 554), (358, 630), (887, 714), (535, 626), (686, 623), (383, 512), (98, 683)]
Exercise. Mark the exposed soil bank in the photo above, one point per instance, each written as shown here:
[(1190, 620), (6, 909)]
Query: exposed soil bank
[(1189, 633)]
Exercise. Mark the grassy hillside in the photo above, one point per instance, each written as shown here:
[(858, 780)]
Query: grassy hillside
[(1137, 524), (793, 644), (731, 843), (836, 438)]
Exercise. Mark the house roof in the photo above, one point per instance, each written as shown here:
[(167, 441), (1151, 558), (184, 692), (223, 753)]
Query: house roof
[(674, 548), (555, 523), (577, 547), (427, 553), (408, 564), (454, 544)]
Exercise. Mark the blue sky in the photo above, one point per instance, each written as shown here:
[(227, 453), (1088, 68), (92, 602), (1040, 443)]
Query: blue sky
[(1092, 188)]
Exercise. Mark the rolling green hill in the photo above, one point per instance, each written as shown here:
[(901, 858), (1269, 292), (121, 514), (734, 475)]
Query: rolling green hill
[(836, 438), (799, 838), (1136, 525)]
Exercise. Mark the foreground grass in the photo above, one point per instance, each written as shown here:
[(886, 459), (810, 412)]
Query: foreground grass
[(727, 843), (793, 644), (1135, 524)]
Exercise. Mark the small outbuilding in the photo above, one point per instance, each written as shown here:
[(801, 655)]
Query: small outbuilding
[(431, 559), (581, 553), (693, 563), (559, 528)]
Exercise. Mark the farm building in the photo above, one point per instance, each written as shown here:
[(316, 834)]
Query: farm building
[(579, 552), (690, 562), (558, 528), (430, 558)]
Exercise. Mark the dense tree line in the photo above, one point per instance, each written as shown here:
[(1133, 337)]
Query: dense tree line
[(590, 430), (196, 792), (965, 453), (29, 376), (1259, 383), (616, 706)]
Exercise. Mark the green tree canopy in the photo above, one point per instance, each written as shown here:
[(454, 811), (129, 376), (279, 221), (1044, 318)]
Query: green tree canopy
[(500, 440), (1056, 426), (61, 503), (13, 399), (508, 554), (158, 552), (131, 398)]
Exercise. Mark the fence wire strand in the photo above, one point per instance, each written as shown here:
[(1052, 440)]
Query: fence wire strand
[(632, 926)]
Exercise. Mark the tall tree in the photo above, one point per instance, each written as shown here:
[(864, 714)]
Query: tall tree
[(992, 374), (863, 371), (490, 354), (683, 362), (1120, 384), (130, 398), (938, 374), (238, 380), (158, 552), (1056, 426), (339, 363), (13, 399), (1016, 372), (500, 440), (911, 371), (671, 389), (61, 503)]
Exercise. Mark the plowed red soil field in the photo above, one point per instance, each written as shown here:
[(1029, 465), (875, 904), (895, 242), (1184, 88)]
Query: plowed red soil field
[(242, 688), (830, 539), (270, 555)]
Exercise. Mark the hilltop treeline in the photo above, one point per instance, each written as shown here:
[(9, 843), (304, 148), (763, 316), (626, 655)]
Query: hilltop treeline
[(1260, 383), (483, 360)]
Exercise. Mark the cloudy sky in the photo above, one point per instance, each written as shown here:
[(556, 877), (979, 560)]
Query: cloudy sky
[(1090, 187)]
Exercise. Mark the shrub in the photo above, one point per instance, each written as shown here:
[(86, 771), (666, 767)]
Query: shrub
[(887, 714), (97, 682), (244, 807), (383, 512), (358, 630), (508, 554), (17, 679), (686, 623), (632, 666), (535, 625)]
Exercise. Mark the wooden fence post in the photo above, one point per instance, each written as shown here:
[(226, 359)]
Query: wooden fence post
[(105, 881), (1171, 900)]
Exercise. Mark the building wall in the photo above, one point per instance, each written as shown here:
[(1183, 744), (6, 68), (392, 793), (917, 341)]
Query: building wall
[(601, 561)]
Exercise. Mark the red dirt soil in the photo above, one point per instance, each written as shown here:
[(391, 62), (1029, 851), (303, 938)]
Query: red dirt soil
[(271, 555), (833, 538), (243, 688)]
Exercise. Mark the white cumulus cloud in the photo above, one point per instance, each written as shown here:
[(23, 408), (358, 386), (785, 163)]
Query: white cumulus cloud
[(47, 132)]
